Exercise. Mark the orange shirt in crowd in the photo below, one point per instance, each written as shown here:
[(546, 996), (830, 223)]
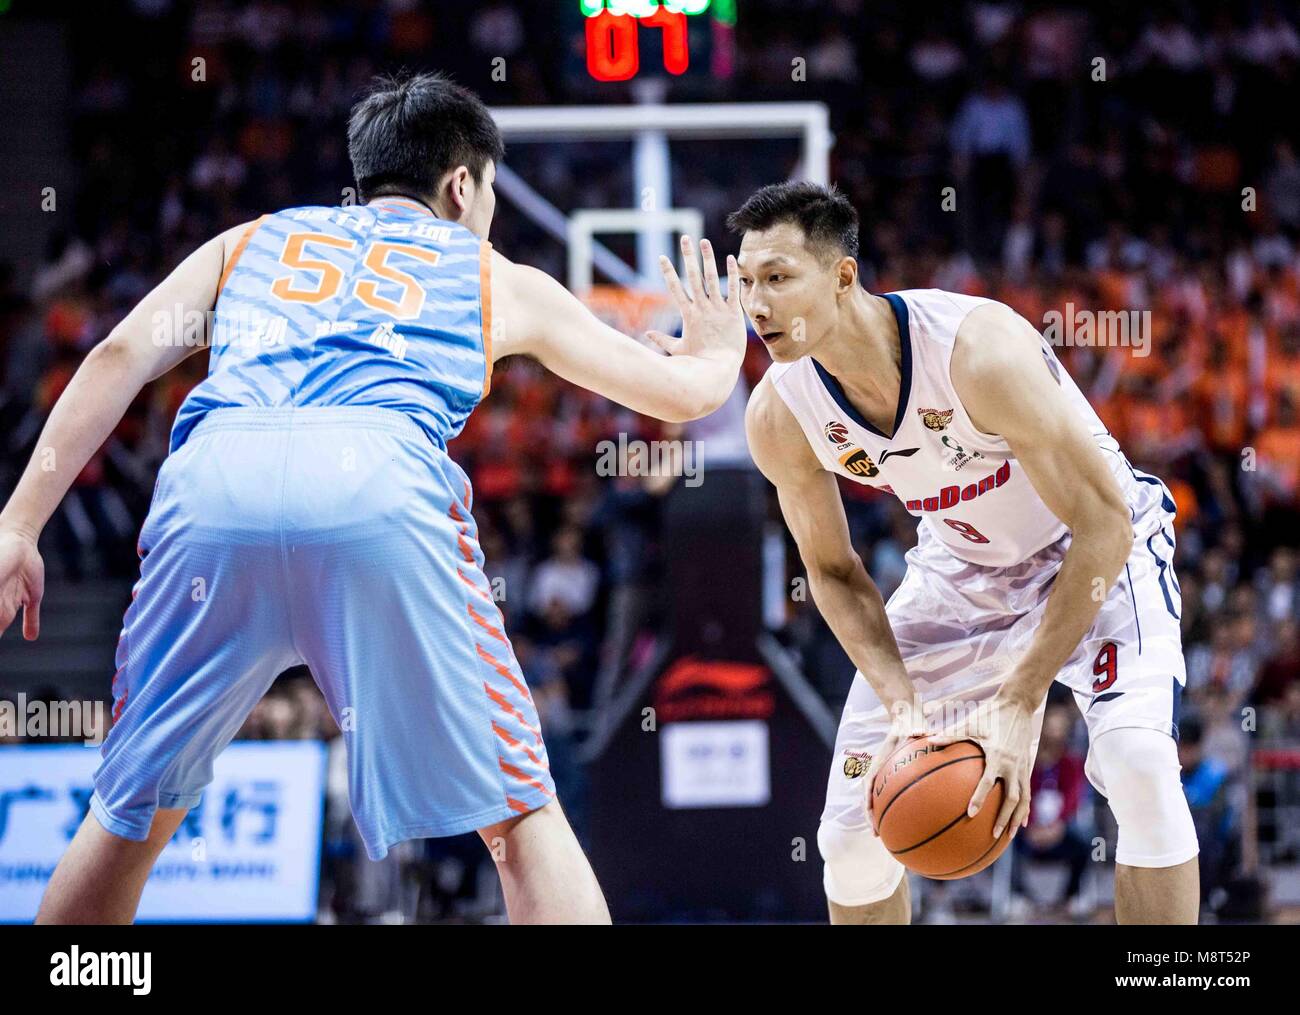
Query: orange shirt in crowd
[(1221, 396), (1278, 450), (1184, 500)]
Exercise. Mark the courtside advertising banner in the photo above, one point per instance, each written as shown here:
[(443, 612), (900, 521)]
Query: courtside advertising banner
[(250, 850)]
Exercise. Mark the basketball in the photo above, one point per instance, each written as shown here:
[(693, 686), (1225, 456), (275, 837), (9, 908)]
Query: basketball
[(918, 802)]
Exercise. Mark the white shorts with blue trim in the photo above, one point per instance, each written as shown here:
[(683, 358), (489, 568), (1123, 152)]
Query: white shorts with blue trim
[(960, 626)]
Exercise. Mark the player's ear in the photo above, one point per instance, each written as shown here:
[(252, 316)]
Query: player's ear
[(460, 188), (846, 274)]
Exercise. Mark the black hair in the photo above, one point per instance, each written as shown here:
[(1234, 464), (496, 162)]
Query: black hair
[(827, 218), (407, 133)]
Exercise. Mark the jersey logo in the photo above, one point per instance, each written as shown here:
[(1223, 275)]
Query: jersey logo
[(856, 764), (837, 433), (905, 453), (961, 458), (949, 496), (856, 462), (935, 419), (386, 338)]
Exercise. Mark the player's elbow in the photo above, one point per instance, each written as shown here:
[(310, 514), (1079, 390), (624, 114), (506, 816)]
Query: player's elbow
[(115, 353), (711, 385), (675, 407), (1110, 529), (839, 569), (684, 404)]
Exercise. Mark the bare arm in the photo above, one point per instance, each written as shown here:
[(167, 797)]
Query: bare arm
[(535, 315), (999, 371), (811, 504), (105, 384)]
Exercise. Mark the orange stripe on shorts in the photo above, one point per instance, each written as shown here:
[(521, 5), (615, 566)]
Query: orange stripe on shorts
[(504, 670)]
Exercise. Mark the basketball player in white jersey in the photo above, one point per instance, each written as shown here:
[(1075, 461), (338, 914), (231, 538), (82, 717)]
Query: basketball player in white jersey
[(1043, 554)]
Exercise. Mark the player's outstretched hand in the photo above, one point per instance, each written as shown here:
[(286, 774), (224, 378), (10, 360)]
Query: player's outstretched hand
[(713, 324), (1004, 729), (22, 582)]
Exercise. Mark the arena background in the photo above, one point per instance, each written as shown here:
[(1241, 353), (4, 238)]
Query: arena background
[(1063, 158)]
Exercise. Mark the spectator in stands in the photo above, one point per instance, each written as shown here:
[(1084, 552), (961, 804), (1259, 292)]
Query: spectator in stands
[(1058, 787), (566, 577), (1207, 781)]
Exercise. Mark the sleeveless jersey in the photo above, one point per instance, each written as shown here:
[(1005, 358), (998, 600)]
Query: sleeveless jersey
[(965, 486), (376, 305)]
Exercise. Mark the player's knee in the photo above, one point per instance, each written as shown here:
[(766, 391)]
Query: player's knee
[(859, 870), (1141, 771)]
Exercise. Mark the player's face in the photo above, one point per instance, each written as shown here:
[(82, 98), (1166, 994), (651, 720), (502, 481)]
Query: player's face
[(788, 293)]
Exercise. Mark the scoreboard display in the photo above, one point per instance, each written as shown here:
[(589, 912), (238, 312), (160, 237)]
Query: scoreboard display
[(625, 39)]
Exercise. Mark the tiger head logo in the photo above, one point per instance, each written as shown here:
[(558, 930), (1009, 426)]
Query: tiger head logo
[(935, 419), (856, 764)]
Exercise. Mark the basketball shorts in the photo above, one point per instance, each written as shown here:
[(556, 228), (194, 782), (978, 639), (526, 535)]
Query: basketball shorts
[(342, 539), (960, 626)]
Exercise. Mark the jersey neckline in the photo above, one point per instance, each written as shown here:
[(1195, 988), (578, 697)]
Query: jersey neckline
[(405, 202), (836, 392)]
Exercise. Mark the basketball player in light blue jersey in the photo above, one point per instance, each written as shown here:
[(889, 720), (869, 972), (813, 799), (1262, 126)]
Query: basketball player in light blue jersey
[(308, 512)]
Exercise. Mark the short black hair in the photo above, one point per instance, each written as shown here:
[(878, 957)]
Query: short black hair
[(827, 218), (408, 132)]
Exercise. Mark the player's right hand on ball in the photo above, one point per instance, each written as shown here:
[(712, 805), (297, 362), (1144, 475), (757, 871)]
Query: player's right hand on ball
[(713, 324), (908, 721), (22, 582)]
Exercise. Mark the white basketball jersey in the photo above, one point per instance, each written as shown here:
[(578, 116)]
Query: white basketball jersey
[(966, 486)]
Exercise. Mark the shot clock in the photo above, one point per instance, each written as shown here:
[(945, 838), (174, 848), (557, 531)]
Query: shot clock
[(625, 39)]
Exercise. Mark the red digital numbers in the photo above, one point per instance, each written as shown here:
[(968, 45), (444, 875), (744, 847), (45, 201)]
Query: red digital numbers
[(612, 53)]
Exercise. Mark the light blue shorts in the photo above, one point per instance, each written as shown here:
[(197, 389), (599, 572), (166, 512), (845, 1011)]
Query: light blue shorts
[(340, 538)]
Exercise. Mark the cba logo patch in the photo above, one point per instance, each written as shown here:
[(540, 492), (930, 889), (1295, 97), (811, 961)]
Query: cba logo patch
[(935, 419), (858, 463), (856, 764), (837, 433)]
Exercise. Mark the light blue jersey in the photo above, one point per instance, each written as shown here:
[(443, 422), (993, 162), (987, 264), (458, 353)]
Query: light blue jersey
[(379, 304), (309, 515)]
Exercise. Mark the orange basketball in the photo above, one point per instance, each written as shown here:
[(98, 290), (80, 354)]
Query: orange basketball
[(918, 802)]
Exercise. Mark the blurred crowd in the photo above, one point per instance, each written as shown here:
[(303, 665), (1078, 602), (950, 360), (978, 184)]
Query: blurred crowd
[(1127, 157)]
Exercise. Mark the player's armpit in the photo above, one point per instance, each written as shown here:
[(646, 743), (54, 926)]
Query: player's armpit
[(535, 315), (811, 505)]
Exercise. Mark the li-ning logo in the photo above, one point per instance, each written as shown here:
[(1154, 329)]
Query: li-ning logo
[(903, 453), (935, 419), (102, 969)]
